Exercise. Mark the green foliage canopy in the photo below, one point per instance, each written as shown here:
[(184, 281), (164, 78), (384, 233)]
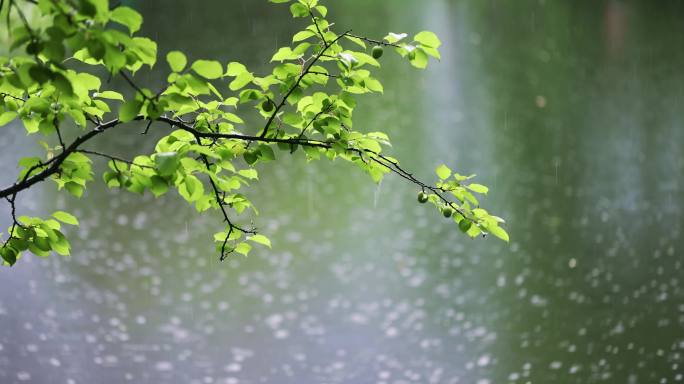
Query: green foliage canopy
[(209, 154)]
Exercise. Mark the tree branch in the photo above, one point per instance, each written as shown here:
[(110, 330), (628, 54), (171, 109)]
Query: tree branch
[(113, 158), (15, 223), (320, 33), (296, 84), (54, 163), (222, 206), (233, 136)]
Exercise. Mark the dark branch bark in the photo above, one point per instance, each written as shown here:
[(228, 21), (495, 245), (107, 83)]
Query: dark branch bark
[(233, 136), (113, 158), (373, 41), (54, 164)]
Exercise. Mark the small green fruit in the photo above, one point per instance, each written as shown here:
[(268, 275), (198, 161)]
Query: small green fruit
[(464, 225), (447, 212), (422, 197), (267, 106), (377, 52)]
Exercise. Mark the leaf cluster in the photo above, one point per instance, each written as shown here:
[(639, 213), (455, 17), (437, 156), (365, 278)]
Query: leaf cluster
[(52, 81)]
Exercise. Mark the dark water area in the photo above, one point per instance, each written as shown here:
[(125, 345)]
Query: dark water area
[(570, 111)]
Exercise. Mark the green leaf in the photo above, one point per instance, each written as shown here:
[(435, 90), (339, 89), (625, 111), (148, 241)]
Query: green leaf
[(208, 69), (111, 95), (191, 189), (428, 38), (302, 35), (299, 10), (323, 10), (419, 58), (266, 153), (243, 249), (370, 145), (479, 188), (86, 81), (145, 49), (356, 41), (78, 117), (443, 172), (240, 81), (129, 110), (431, 52), (260, 239), (78, 158), (464, 225), (9, 254), (498, 232), (128, 17), (40, 244), (235, 69), (6, 117), (63, 84), (249, 173), (100, 7), (61, 245), (114, 59), (158, 186), (74, 188), (250, 157), (293, 119), (285, 53), (65, 217), (40, 73), (395, 37), (166, 163), (177, 60)]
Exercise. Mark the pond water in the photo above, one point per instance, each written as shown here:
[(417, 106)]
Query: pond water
[(570, 111)]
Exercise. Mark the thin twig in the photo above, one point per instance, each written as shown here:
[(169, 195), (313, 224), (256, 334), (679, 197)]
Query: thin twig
[(113, 158), (322, 73), (222, 206), (55, 122), (313, 18), (54, 163), (132, 84), (373, 41), (296, 84)]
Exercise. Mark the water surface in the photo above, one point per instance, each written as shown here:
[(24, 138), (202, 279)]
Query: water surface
[(570, 111)]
